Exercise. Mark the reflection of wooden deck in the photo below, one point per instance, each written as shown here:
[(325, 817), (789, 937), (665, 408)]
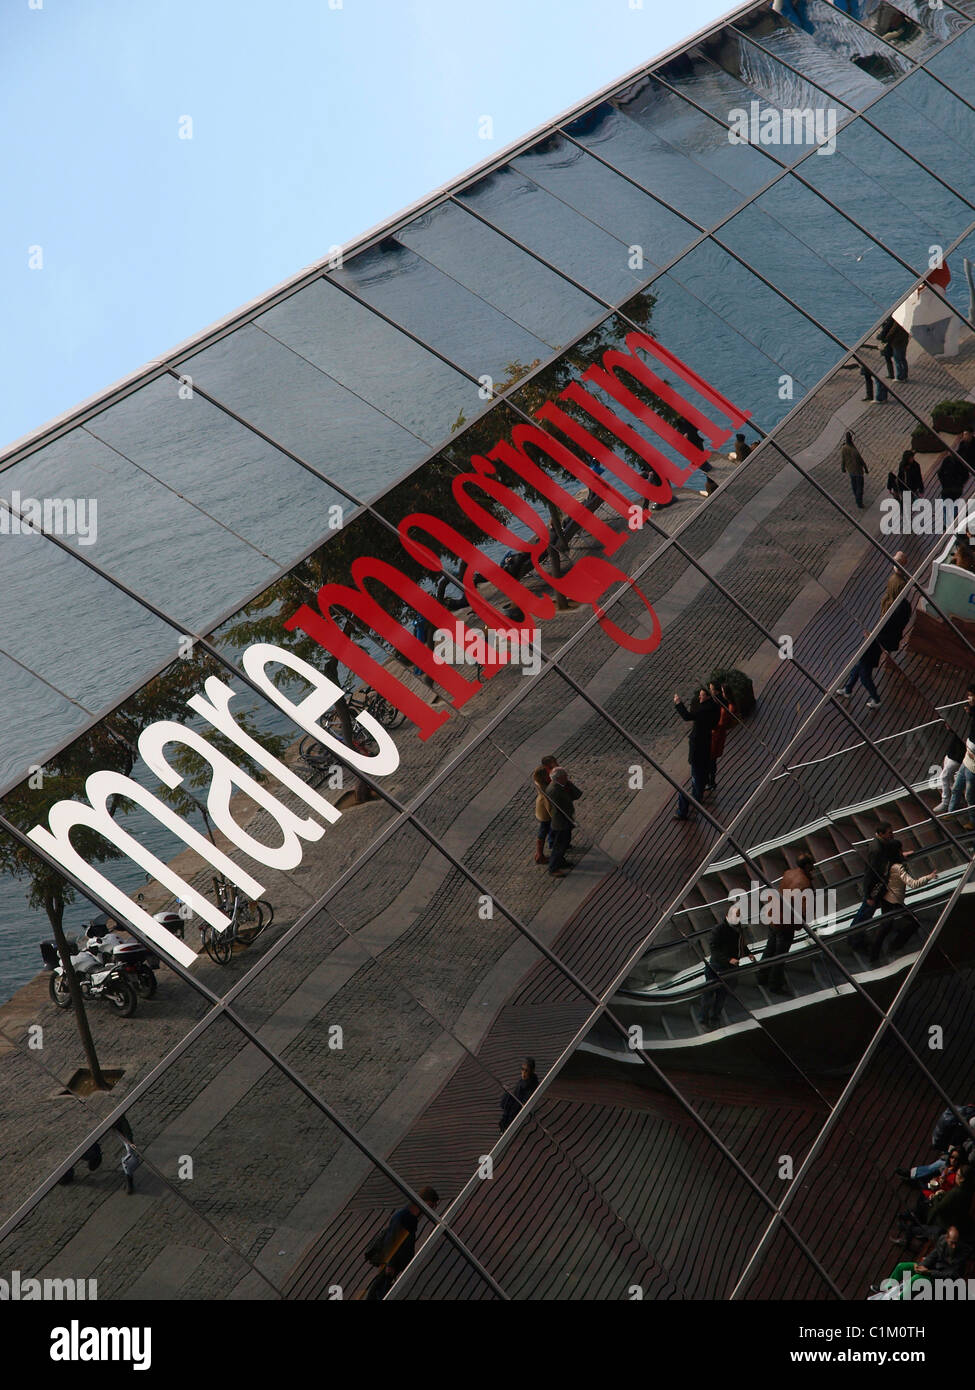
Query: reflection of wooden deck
[(608, 1185)]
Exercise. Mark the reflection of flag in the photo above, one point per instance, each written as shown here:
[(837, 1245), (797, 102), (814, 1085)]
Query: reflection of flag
[(927, 318)]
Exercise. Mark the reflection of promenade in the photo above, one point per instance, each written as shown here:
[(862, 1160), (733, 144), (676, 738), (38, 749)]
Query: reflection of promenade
[(409, 1088)]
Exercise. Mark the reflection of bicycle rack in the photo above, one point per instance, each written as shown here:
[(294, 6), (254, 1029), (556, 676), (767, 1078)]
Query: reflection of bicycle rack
[(248, 918)]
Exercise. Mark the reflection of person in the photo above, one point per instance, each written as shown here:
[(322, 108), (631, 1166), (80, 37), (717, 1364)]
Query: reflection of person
[(543, 815), (781, 934), (561, 794), (872, 383), (964, 556), (895, 340), (398, 1245), (726, 947), (852, 463), (703, 716), (892, 902), (875, 874), (863, 672), (525, 1086), (952, 475), (722, 697)]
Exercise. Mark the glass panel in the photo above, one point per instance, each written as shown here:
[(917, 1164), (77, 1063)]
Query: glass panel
[(889, 194), (954, 64), (572, 175), (552, 229), (441, 313), (758, 313), (602, 1218), (496, 270), (38, 717), (912, 27), (885, 1123), (855, 69), (155, 1247), (933, 126), (825, 264), (327, 426), (634, 150), (369, 357), (269, 1170), (667, 118), (115, 642), (726, 73), (127, 482)]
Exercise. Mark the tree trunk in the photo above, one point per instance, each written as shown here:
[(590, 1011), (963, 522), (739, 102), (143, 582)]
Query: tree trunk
[(55, 914)]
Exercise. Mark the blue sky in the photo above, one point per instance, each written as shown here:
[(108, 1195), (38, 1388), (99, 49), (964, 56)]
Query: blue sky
[(312, 120)]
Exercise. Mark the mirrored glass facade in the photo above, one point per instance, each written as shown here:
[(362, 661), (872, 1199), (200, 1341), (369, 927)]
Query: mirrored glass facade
[(522, 810)]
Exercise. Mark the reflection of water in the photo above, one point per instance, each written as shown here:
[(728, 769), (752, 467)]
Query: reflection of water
[(734, 372), (22, 928)]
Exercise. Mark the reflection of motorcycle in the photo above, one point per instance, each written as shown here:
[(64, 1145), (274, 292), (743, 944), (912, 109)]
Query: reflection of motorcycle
[(97, 979), (135, 960)]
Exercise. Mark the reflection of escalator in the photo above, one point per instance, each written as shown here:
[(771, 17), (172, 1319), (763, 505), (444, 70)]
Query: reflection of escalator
[(819, 1018)]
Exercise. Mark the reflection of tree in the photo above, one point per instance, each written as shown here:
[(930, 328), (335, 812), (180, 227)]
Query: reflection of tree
[(63, 778)]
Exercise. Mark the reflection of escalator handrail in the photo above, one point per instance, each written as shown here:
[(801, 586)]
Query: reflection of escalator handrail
[(718, 903), (833, 818), (854, 747), (804, 944), (721, 904)]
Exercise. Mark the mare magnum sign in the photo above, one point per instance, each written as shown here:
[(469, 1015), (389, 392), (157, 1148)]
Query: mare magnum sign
[(586, 582)]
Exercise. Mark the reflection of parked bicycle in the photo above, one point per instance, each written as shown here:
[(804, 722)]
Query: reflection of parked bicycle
[(248, 918), (373, 703)]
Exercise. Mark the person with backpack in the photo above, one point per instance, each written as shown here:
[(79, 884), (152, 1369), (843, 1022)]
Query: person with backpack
[(394, 1247)]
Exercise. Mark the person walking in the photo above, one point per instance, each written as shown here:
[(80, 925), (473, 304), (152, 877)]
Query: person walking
[(726, 947), (726, 716), (703, 717), (781, 934), (896, 606), (875, 874), (543, 815), (895, 340), (964, 787), (892, 905), (953, 475), (396, 1246), (853, 465), (561, 795), (871, 384), (525, 1086), (954, 756), (863, 672)]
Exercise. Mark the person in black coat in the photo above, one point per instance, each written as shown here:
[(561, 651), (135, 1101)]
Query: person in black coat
[(875, 874), (953, 475), (525, 1086), (726, 946), (703, 717), (909, 474)]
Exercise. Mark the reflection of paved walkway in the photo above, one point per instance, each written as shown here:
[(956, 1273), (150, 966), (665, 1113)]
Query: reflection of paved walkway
[(479, 832)]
